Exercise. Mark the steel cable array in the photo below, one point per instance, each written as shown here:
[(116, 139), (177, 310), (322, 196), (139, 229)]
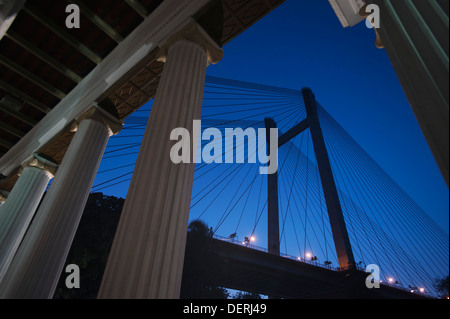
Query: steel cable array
[(386, 226)]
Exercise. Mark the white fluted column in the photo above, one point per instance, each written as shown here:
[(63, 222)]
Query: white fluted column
[(415, 35), (147, 255), (18, 210), (37, 265)]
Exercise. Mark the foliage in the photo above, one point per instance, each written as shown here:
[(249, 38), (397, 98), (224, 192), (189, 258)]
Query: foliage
[(91, 246), (442, 286), (93, 241), (246, 295), (197, 263)]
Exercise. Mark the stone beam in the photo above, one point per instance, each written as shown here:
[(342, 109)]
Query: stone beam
[(145, 39)]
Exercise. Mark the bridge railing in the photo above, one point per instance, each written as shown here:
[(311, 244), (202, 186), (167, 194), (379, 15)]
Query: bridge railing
[(249, 245)]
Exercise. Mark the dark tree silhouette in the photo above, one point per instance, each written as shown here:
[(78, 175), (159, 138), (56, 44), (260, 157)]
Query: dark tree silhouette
[(91, 246), (197, 263), (93, 241), (442, 287), (246, 295)]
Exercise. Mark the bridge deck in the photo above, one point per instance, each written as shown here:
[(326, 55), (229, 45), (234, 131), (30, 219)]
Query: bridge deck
[(242, 268)]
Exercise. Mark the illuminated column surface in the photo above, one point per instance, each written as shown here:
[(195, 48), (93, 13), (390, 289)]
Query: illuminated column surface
[(21, 204), (415, 36), (146, 260), (37, 265)]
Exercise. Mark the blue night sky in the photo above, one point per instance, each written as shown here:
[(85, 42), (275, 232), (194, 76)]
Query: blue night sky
[(302, 43)]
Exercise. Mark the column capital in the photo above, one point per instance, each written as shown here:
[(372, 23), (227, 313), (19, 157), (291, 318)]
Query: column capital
[(193, 32), (41, 163), (99, 114)]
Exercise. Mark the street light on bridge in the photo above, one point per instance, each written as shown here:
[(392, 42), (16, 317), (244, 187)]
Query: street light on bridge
[(247, 241), (309, 256)]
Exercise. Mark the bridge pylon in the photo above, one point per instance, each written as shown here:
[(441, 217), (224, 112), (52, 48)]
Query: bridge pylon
[(338, 228)]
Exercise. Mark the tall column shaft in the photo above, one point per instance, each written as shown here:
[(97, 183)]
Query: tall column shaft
[(415, 36), (35, 270), (147, 254), (19, 209)]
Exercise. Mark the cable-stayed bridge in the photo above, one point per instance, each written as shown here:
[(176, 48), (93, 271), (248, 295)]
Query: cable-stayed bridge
[(330, 206)]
